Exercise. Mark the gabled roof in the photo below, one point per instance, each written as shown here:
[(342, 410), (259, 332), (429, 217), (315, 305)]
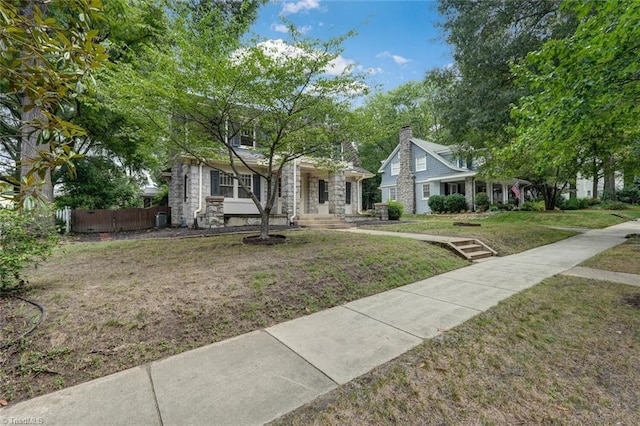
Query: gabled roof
[(434, 149)]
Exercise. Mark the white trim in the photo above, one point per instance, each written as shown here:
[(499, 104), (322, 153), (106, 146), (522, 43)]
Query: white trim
[(422, 190)]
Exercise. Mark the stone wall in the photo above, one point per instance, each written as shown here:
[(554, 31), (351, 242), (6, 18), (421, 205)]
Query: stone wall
[(468, 192), (382, 211), (312, 195), (406, 191), (337, 194), (176, 193), (214, 212), (288, 189)]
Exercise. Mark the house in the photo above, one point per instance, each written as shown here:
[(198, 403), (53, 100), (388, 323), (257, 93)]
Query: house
[(308, 187), (418, 169)]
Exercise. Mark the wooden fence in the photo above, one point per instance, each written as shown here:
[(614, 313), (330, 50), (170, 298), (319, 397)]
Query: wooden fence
[(89, 221)]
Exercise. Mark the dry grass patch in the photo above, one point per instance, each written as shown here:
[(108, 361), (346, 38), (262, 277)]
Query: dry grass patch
[(505, 238), (622, 258), (115, 305), (563, 352)]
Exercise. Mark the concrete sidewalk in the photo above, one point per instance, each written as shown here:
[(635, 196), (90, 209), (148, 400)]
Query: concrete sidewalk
[(256, 377)]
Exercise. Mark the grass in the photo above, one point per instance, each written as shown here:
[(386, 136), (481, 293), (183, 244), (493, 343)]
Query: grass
[(115, 305), (512, 232), (623, 258), (563, 352)]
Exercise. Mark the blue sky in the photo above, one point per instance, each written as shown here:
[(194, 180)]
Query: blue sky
[(397, 41)]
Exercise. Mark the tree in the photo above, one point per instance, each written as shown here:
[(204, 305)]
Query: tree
[(583, 111), (207, 87), (487, 36), (98, 183), (376, 124), (47, 50)]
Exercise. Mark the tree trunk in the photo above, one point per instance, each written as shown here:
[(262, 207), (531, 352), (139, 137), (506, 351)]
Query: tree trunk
[(609, 180), (596, 179), (32, 121), (31, 147), (264, 225)]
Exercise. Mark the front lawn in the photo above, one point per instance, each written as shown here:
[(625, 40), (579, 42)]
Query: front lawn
[(115, 305), (563, 352), (512, 232)]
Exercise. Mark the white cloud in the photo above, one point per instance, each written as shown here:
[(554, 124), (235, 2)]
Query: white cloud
[(299, 6), (339, 65), (400, 60), (280, 28), (396, 58), (281, 50), (370, 70)]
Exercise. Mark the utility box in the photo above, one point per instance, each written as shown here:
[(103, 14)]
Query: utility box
[(161, 220)]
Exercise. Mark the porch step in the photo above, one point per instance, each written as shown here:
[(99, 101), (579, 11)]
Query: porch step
[(322, 222), (472, 249)]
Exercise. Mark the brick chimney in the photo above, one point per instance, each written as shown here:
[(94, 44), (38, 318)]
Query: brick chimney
[(406, 179)]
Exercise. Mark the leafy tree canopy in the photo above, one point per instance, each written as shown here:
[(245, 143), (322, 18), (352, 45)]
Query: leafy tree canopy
[(583, 111)]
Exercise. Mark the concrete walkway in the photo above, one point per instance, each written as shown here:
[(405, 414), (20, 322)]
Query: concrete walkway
[(256, 377)]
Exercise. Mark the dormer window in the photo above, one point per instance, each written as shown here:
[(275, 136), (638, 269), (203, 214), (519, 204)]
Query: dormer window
[(247, 138)]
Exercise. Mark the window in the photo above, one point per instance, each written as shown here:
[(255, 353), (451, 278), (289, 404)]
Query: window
[(323, 191), (246, 139), (421, 164), (247, 180), (226, 185), (453, 188), (392, 194), (426, 191), (185, 187), (347, 197), (395, 169)]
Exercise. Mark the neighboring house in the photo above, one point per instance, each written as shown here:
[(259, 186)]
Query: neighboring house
[(418, 169), (584, 186), (307, 188)]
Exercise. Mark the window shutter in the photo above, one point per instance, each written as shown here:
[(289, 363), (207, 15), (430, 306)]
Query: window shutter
[(256, 186), (321, 185), (348, 193), (215, 182)]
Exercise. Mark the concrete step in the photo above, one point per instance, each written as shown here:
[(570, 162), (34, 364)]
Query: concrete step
[(323, 222)]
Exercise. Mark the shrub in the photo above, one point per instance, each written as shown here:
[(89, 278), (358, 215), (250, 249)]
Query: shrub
[(395, 210), (25, 239), (570, 204), (614, 205), (482, 201), (629, 195), (455, 203), (436, 203), (533, 206)]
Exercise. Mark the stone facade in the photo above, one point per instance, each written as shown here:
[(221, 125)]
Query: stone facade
[(382, 211), (312, 195), (288, 189), (337, 194), (468, 192), (214, 212), (406, 180)]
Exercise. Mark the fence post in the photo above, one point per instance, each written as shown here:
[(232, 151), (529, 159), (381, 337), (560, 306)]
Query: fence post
[(64, 215)]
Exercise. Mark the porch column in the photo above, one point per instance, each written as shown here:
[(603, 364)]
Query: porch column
[(337, 194), (505, 194), (468, 192), (289, 189), (312, 195)]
